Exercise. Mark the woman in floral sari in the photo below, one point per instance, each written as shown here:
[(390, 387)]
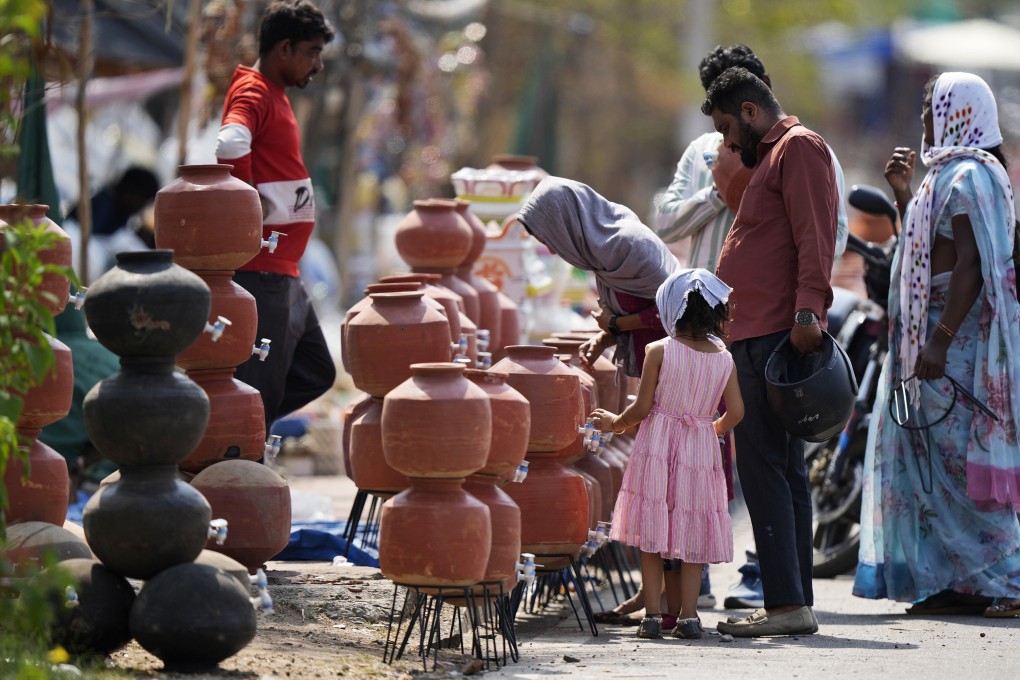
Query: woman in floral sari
[(939, 525)]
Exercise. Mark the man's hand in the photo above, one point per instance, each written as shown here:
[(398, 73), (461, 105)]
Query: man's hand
[(730, 176), (806, 339)]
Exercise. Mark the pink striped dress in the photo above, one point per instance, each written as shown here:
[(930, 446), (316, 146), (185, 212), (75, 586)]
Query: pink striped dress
[(673, 499)]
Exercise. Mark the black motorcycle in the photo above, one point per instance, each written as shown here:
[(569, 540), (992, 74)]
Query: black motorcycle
[(836, 467)]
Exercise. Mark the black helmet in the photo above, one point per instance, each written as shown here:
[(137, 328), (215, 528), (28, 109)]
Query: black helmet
[(813, 394)]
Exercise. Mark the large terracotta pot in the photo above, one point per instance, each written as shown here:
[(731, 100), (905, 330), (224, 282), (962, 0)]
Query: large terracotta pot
[(237, 421), (451, 302), (395, 331), (50, 400), (509, 326), (604, 370), (505, 519), (354, 410), (594, 491), (552, 389), (55, 288), (433, 235), (437, 423), (255, 501), (511, 421), (369, 468), (30, 544), (43, 497), (464, 290), (366, 302), (192, 617), (435, 534), (147, 522), (210, 219), (601, 471), (554, 509), (166, 413), (234, 346), (147, 306)]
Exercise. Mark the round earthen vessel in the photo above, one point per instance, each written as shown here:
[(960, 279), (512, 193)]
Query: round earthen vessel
[(489, 316), (433, 235), (554, 509), (505, 519), (235, 344), (55, 288), (511, 421), (43, 497), (369, 469), (237, 421)]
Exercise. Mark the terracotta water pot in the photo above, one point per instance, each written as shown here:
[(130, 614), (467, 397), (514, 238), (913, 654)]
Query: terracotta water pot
[(552, 389), (209, 218), (451, 302), (30, 544), (464, 290), (369, 469), (192, 617), (554, 509), (433, 235), (147, 522), (511, 421), (517, 162), (235, 344), (50, 400), (147, 306), (435, 534), (489, 316), (355, 408), (55, 288), (395, 331), (602, 471), (255, 501), (509, 326), (98, 623), (604, 370), (594, 491), (43, 497), (237, 421), (146, 413), (437, 423), (366, 302), (505, 520)]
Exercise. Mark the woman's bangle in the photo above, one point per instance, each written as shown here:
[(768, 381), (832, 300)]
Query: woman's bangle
[(945, 329), (612, 425)]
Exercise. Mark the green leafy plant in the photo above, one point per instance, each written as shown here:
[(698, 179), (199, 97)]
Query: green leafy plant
[(20, 22)]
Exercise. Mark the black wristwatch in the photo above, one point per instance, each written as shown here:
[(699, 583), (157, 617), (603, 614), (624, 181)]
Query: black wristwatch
[(613, 328), (805, 317)]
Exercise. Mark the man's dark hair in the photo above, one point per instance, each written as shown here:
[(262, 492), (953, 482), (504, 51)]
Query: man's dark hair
[(139, 182), (294, 20), (722, 58), (735, 86)]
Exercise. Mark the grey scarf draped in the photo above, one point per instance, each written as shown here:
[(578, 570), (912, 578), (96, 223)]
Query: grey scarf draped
[(605, 238)]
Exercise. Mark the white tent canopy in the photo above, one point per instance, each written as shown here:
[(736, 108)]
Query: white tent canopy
[(971, 44)]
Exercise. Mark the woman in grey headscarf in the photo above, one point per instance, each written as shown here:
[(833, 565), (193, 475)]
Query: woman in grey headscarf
[(629, 262)]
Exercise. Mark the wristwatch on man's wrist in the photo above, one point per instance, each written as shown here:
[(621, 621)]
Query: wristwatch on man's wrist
[(805, 317), (613, 328)]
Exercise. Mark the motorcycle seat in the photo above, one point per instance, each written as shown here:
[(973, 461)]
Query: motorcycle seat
[(844, 301)]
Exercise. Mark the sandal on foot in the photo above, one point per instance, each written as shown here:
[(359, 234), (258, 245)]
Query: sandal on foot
[(949, 602), (688, 629), (650, 628), (1003, 608)]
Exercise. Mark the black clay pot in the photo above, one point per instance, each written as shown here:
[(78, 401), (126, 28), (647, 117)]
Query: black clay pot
[(193, 616), (147, 305), (147, 522), (146, 414), (98, 624)]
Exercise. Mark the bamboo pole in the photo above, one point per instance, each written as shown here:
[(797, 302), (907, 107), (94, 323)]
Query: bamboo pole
[(190, 61), (85, 65)]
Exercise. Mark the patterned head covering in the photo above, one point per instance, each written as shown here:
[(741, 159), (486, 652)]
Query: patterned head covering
[(671, 298), (965, 122)]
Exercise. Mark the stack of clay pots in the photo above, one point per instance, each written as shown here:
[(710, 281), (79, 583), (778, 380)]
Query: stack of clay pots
[(147, 418), (213, 223), (437, 429), (554, 499)]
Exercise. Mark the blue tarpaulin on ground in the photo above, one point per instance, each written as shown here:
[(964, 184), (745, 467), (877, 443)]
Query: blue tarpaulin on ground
[(311, 541)]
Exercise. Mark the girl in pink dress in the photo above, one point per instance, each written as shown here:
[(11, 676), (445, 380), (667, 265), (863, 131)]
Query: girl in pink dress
[(673, 502)]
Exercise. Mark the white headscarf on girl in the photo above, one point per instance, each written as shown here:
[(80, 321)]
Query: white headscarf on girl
[(671, 298), (966, 122)]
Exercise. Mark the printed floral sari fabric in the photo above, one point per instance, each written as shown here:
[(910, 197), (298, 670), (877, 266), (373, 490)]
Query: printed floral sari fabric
[(939, 505)]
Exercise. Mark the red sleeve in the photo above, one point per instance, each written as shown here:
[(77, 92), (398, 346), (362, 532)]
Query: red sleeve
[(810, 195), (247, 106)]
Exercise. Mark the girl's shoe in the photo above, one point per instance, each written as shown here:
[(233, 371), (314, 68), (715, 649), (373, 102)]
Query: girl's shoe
[(688, 629), (650, 628)]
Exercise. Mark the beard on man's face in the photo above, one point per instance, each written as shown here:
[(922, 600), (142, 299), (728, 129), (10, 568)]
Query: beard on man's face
[(749, 140)]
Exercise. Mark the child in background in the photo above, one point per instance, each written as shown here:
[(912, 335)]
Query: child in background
[(673, 502)]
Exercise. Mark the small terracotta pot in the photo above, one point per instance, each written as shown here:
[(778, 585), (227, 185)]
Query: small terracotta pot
[(365, 302), (436, 423), (435, 534), (369, 469), (511, 422), (433, 235), (509, 326), (50, 400), (237, 421), (210, 219), (451, 302), (43, 497), (255, 501), (354, 410), (56, 287), (395, 331), (235, 345)]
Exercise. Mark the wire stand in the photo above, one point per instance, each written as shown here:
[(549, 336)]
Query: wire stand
[(370, 532), (550, 583)]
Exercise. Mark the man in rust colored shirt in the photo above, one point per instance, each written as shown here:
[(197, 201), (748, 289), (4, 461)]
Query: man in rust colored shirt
[(777, 257)]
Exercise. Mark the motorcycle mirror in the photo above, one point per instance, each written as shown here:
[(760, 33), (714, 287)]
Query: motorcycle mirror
[(872, 200)]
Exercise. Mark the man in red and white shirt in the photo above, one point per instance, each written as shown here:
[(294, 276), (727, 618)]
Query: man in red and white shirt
[(260, 138)]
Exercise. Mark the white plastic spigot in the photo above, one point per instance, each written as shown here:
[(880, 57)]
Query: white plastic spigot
[(521, 473), (710, 157), (602, 532), (261, 351), (482, 338), (484, 360), (526, 568), (71, 597), (215, 329), (78, 297), (460, 347), (273, 240), (588, 428), (218, 530), (272, 449), (262, 601)]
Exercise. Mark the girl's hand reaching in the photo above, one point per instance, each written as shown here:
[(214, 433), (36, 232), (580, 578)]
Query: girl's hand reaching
[(602, 419)]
